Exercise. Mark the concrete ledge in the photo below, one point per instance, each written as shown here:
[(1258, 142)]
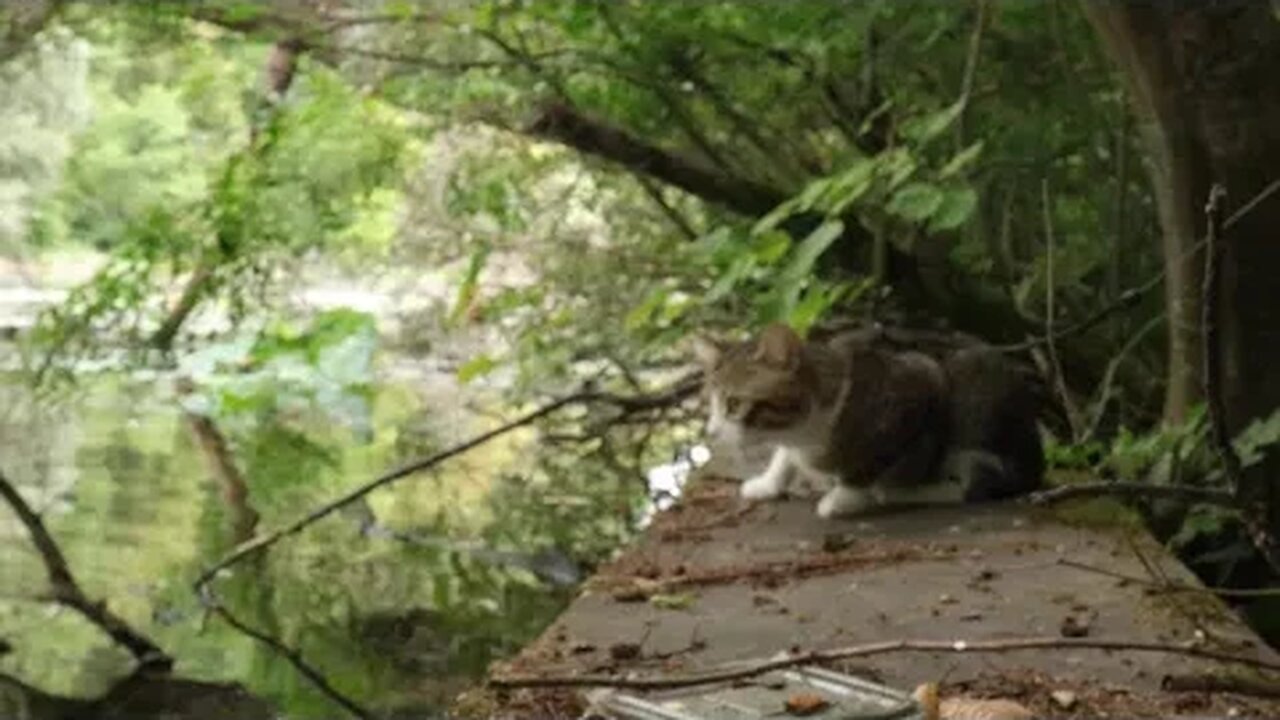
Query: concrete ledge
[(712, 582)]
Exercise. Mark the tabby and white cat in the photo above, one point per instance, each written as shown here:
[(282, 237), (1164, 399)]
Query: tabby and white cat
[(880, 426)]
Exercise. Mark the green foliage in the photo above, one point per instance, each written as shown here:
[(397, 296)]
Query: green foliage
[(324, 366), (562, 268), (324, 173), (43, 103)]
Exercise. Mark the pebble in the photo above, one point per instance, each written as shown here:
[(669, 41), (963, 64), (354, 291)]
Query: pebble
[(1064, 699)]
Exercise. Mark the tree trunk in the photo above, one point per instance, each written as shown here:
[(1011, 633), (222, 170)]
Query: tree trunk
[(1202, 77)]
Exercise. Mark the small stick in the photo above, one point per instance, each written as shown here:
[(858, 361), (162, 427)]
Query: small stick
[(878, 648), (1187, 493), (1256, 687), (1169, 586)]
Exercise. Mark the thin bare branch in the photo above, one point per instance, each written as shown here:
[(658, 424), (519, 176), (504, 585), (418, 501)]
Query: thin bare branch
[(1109, 377), (1236, 685), (1131, 297), (626, 404), (1185, 493), (291, 655), (879, 648), (1172, 587), (1050, 293), (971, 66)]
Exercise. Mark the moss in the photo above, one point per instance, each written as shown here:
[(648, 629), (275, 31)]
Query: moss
[(1101, 513)]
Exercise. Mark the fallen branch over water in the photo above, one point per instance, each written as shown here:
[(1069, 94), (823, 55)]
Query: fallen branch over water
[(291, 655), (856, 651), (626, 405), (66, 591)]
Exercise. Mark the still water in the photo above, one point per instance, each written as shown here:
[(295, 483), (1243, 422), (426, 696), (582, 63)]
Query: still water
[(400, 601)]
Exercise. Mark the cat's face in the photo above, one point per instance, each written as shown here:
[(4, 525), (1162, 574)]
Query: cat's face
[(759, 392)]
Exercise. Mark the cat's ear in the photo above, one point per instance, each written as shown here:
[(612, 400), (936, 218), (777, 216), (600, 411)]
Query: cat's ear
[(707, 351), (779, 346)]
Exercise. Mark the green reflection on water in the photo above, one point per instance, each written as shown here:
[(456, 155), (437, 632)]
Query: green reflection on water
[(132, 501)]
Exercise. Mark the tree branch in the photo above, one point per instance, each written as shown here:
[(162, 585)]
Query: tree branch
[(1251, 497), (66, 591), (625, 404), (1172, 587), (291, 655), (1185, 493), (879, 648), (564, 124)]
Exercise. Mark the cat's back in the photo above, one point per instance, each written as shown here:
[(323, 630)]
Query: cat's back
[(883, 385)]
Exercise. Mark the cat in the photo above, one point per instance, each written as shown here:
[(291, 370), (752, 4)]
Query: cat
[(881, 426)]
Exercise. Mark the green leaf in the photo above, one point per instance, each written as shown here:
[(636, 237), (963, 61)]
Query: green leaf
[(643, 313), (775, 216), (956, 208), (922, 130), (849, 186), (678, 601), (916, 202), (476, 367), (962, 160), (810, 249), (467, 290), (815, 301), (769, 247), (898, 165), (786, 288), (727, 281)]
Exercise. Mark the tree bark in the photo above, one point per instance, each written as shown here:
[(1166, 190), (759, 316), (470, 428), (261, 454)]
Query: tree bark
[(1138, 39), (924, 282), (1202, 78)]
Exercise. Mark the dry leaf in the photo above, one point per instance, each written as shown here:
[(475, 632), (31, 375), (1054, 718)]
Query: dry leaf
[(1073, 627), (624, 651), (806, 704), (968, 709), (961, 708), (1064, 699)]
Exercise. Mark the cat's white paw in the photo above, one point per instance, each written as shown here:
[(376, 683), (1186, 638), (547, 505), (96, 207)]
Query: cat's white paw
[(763, 487), (843, 501)]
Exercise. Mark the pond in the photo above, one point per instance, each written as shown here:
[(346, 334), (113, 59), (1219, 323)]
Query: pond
[(400, 601)]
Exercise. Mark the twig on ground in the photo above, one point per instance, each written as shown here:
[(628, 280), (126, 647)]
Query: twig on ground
[(625, 404), (1186, 493), (1256, 687), (291, 655), (1169, 586), (878, 648), (66, 590), (1251, 497)]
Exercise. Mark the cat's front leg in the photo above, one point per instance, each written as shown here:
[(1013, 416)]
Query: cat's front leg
[(845, 501), (773, 481)]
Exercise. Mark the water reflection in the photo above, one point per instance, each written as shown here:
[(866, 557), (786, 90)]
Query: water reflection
[(400, 604)]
